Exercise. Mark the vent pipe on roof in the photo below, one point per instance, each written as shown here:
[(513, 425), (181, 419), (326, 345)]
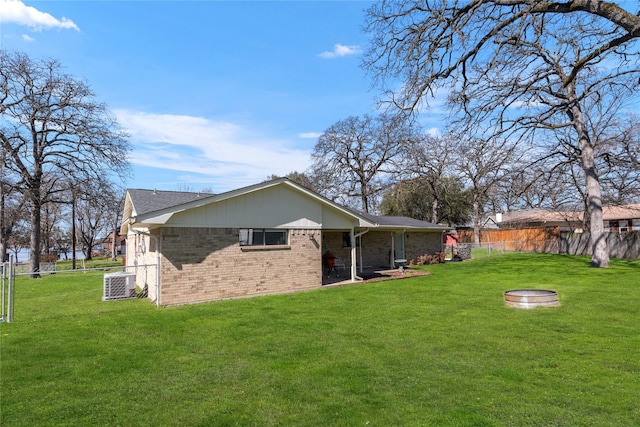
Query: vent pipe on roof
[(499, 217)]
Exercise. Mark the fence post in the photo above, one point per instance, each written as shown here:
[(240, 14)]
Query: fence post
[(12, 279), (2, 289)]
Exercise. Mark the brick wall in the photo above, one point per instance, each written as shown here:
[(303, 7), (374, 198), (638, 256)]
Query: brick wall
[(418, 244), (205, 264)]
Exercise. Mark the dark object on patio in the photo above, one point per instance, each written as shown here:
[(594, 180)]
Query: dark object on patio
[(328, 260)]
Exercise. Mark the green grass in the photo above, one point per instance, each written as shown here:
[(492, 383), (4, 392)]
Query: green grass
[(96, 262), (440, 350)]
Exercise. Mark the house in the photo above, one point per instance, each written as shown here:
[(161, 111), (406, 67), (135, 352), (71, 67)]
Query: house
[(263, 239), (104, 247), (621, 218)]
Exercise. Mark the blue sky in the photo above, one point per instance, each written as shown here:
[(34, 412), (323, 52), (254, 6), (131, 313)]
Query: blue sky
[(215, 94)]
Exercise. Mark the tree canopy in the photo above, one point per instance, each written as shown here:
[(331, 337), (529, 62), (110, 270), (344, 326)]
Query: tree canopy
[(53, 130)]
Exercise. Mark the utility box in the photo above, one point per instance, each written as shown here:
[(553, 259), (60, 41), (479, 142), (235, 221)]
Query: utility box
[(119, 286)]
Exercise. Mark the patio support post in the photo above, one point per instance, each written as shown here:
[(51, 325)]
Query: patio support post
[(354, 273), (392, 263), (353, 252)]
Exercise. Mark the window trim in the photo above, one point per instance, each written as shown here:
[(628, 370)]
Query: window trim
[(249, 232)]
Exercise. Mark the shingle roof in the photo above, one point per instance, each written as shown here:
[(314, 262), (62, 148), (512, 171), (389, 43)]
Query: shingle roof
[(609, 213), (146, 201), (621, 212), (398, 221)]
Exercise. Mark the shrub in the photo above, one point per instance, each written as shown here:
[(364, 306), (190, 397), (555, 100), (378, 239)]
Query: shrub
[(48, 258), (436, 258)]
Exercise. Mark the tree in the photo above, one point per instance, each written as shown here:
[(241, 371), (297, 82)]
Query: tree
[(53, 129), (414, 198), (515, 66), (432, 159), (484, 164), (618, 154), (301, 178), (355, 158), (11, 215), (95, 210)]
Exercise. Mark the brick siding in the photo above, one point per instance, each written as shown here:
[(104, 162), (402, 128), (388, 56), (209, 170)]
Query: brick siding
[(205, 264), (418, 244)]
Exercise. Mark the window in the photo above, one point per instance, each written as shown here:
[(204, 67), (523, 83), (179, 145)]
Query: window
[(262, 237), (346, 239)]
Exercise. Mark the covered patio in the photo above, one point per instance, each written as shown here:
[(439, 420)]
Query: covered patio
[(362, 253)]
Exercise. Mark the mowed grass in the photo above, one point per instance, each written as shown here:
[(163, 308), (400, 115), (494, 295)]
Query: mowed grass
[(441, 350)]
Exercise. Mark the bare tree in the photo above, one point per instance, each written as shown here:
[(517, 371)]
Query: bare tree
[(618, 154), (53, 129), (301, 178), (431, 159), (483, 164), (355, 158), (95, 211), (11, 214), (514, 66)]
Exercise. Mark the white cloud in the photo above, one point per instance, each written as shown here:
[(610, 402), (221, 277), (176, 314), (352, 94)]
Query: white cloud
[(435, 132), (340, 50), (16, 12), (27, 38), (310, 135), (216, 149)]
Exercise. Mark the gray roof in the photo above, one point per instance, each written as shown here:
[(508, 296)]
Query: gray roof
[(398, 221), (146, 201)]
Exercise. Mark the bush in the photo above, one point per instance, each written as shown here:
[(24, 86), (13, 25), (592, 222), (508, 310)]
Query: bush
[(48, 258), (437, 258)]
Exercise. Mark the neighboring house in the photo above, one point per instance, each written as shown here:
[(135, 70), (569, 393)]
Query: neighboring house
[(262, 239), (616, 219), (105, 246)]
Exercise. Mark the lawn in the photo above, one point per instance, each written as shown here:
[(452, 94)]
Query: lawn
[(439, 350)]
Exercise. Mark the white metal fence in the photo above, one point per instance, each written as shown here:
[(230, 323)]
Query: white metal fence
[(118, 282), (463, 251)]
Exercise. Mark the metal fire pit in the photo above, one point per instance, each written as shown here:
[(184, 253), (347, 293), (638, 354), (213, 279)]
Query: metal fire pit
[(531, 298)]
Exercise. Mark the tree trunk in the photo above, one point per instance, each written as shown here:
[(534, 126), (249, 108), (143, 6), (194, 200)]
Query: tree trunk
[(434, 211), (476, 219), (73, 232), (35, 237), (598, 241)]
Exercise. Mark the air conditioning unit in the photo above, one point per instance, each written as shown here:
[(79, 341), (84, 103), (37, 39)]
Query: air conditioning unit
[(119, 286)]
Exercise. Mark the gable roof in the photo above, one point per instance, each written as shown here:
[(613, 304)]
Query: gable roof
[(158, 206), (146, 201)]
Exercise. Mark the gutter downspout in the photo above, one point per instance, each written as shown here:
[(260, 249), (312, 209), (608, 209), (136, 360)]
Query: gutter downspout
[(354, 276)]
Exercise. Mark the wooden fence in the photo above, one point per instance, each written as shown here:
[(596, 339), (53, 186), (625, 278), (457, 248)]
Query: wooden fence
[(520, 240), (552, 240)]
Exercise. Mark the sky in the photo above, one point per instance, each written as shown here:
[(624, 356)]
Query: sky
[(215, 95)]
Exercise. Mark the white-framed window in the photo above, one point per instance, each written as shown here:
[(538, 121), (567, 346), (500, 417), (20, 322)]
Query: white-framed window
[(263, 237)]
